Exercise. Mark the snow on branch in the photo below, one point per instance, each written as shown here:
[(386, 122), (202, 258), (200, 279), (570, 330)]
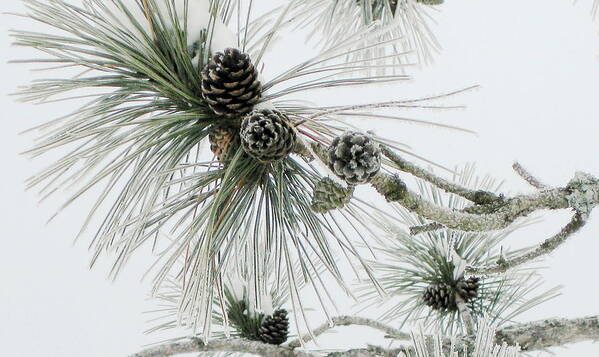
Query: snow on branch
[(539, 335), (532, 336)]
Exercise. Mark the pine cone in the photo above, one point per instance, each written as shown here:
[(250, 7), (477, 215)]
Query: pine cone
[(329, 195), (275, 329), (230, 84), (468, 289), (267, 136), (355, 157), (441, 296), (224, 142)]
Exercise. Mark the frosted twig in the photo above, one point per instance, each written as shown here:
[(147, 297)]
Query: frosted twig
[(465, 314), (528, 177), (477, 196), (195, 345), (539, 335), (545, 248), (431, 227), (350, 321), (581, 194)]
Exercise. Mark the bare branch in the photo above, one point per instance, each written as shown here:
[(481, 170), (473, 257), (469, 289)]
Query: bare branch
[(195, 345), (545, 248), (540, 335), (395, 190), (581, 194), (532, 336), (528, 177), (431, 227), (477, 196), (351, 321), (465, 315), (373, 351)]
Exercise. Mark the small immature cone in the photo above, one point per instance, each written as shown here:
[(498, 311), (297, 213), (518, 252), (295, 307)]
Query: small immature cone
[(355, 157), (329, 195), (224, 142), (267, 135), (230, 84)]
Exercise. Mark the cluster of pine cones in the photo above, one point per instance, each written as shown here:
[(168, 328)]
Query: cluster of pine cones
[(231, 89), (442, 296)]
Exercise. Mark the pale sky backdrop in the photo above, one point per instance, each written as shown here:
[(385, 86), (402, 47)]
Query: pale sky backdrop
[(537, 64)]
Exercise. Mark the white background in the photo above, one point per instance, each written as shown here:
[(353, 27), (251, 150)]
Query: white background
[(537, 64)]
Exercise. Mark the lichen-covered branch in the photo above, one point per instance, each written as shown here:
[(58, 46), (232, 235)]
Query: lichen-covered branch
[(532, 336), (195, 345), (351, 321), (581, 194), (542, 334), (465, 314), (528, 177), (431, 227), (374, 351), (395, 190), (545, 248), (477, 196)]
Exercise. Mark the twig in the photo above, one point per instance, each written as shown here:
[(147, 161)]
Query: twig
[(528, 177), (539, 335), (431, 227), (477, 196), (581, 194), (351, 321), (578, 221), (465, 315), (532, 336), (194, 345), (374, 351)]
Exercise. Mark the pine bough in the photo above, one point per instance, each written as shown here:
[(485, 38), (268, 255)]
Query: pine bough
[(265, 212)]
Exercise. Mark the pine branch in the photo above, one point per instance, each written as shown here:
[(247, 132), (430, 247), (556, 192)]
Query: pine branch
[(465, 314), (350, 321), (532, 336), (480, 197), (373, 351), (539, 335), (581, 194), (195, 345), (547, 247), (528, 177)]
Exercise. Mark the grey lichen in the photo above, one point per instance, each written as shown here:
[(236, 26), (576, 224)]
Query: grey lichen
[(540, 335), (584, 194)]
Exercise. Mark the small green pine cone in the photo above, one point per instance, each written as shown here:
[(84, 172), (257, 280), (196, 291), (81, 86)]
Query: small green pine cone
[(275, 328), (329, 195), (355, 157), (267, 135)]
